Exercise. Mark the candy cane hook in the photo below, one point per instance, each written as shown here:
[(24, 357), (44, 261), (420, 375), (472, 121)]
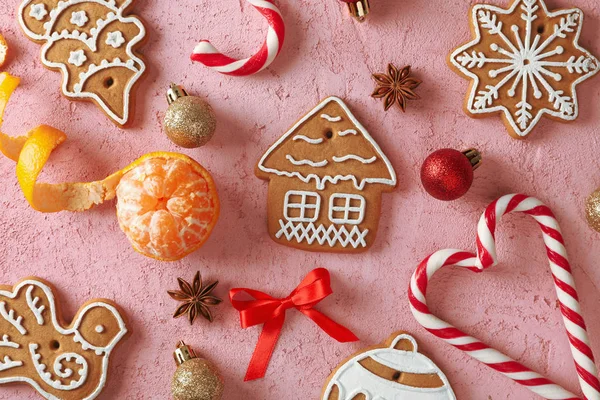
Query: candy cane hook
[(485, 258), (208, 55)]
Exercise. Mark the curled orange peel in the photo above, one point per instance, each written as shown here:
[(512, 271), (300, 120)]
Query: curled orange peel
[(31, 152)]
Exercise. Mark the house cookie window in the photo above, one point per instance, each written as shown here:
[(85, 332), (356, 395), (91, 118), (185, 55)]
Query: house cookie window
[(346, 209), (302, 206)]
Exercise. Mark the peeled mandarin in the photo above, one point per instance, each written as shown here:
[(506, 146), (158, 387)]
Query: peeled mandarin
[(167, 207)]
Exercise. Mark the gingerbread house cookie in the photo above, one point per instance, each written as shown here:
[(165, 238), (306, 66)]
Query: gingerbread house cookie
[(326, 176), (392, 371)]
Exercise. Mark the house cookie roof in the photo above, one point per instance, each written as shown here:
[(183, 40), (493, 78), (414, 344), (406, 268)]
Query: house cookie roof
[(328, 145)]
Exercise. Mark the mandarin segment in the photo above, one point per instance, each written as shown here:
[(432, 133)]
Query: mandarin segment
[(3, 51), (167, 207)]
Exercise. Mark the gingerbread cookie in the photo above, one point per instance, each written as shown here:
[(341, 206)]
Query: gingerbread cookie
[(393, 370), (93, 43), (524, 62), (60, 363), (326, 175)]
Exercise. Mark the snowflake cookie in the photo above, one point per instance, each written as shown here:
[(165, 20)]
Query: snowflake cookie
[(524, 62)]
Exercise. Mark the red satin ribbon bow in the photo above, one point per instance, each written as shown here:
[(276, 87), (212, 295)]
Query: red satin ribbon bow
[(267, 310)]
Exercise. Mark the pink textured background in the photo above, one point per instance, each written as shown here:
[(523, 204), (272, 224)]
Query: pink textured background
[(512, 306)]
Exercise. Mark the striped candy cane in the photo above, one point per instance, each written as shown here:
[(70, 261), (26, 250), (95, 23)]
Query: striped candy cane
[(208, 55), (485, 258)]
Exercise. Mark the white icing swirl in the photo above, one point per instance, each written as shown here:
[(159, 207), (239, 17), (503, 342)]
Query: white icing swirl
[(58, 366)]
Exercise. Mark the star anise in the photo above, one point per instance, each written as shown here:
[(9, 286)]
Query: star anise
[(196, 298), (396, 87)]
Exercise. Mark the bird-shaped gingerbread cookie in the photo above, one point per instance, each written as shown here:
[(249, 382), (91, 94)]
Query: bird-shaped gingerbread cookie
[(61, 362)]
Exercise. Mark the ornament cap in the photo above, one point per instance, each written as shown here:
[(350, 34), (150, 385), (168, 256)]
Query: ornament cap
[(183, 353), (474, 157), (359, 9), (175, 92)]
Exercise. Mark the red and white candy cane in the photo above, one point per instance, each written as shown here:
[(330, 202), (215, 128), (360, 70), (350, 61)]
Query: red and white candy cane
[(208, 55), (485, 258)]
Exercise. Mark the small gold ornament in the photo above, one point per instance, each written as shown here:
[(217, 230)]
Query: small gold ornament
[(195, 378), (190, 121), (592, 210)]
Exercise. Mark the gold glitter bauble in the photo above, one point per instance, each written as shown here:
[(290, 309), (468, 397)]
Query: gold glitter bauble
[(197, 379), (190, 122), (592, 210)]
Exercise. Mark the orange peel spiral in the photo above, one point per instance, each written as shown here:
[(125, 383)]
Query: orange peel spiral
[(165, 222)]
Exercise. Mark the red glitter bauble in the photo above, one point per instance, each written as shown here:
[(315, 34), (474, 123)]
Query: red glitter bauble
[(447, 174)]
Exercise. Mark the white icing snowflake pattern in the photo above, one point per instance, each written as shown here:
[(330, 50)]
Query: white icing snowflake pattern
[(537, 57), (115, 39), (79, 18), (77, 58), (38, 11)]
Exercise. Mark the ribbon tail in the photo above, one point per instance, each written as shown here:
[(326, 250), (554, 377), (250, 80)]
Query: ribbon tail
[(264, 348), (332, 328)]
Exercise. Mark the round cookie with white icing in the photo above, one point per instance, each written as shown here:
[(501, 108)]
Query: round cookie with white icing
[(93, 43), (326, 177), (61, 361), (393, 370), (525, 62)]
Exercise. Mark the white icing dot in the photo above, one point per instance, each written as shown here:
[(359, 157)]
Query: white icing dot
[(77, 58), (511, 93), (38, 11), (494, 47), (99, 328), (514, 28), (79, 18), (537, 94), (560, 50), (115, 39)]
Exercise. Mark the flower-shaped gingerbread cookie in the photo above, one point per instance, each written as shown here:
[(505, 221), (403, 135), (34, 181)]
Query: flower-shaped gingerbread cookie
[(524, 62)]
